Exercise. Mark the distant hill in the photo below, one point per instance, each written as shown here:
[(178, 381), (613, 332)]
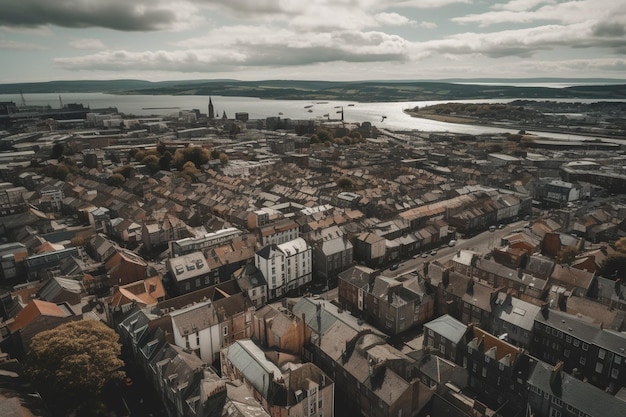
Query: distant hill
[(364, 91)]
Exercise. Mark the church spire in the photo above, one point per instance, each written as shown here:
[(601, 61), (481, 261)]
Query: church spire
[(211, 110)]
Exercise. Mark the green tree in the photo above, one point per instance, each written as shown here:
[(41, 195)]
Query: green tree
[(57, 150), (161, 148), (196, 154), (139, 156), (151, 162), (70, 365), (115, 180), (614, 266), (567, 255), (620, 245), (324, 135), (127, 171), (165, 161), (60, 172), (345, 182)]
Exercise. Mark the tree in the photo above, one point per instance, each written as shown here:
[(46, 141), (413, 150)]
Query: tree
[(71, 364), (620, 245), (223, 159), (57, 150), (127, 171), (345, 182), (151, 162), (116, 180), (324, 136), (567, 255), (165, 161)]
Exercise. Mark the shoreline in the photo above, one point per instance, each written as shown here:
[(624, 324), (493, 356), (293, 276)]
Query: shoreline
[(528, 129)]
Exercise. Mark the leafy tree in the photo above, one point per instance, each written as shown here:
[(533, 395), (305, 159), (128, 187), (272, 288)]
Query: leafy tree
[(324, 135), (71, 364), (57, 150), (60, 172), (614, 266), (620, 245), (165, 161), (189, 171), (151, 162), (139, 156), (127, 171), (116, 180), (567, 255), (223, 159), (345, 182), (161, 148), (131, 153), (195, 154)]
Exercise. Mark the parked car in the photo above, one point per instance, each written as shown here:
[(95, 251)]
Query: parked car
[(452, 243), (394, 267), (433, 252)]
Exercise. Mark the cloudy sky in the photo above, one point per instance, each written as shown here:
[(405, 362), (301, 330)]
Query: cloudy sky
[(43, 40)]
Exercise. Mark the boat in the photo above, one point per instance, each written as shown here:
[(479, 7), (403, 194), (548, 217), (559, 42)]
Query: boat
[(310, 111), (350, 105), (309, 106), (280, 113)]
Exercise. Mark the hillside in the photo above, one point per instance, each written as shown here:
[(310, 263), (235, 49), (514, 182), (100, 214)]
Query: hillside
[(363, 91)]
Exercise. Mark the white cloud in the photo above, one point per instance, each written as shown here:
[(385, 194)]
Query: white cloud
[(392, 19), (521, 5), (567, 13), (93, 44), (14, 45)]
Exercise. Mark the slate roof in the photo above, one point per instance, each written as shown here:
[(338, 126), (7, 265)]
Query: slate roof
[(580, 395), (448, 327), (515, 311), (250, 360)]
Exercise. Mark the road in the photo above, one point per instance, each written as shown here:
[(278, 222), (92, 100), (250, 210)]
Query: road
[(481, 243)]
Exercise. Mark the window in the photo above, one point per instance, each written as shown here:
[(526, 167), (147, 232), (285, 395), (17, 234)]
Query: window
[(225, 330), (614, 373), (570, 408), (442, 349), (566, 353), (557, 401), (484, 372), (501, 366), (618, 359), (599, 367), (576, 342), (547, 329), (430, 332), (585, 346), (601, 354), (568, 339), (554, 412), (583, 360)]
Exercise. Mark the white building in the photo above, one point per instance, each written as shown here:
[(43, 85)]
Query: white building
[(286, 267)]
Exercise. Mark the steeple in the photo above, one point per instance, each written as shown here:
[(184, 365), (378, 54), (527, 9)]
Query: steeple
[(211, 110)]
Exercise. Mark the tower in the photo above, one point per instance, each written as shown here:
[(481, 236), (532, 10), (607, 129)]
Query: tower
[(211, 110)]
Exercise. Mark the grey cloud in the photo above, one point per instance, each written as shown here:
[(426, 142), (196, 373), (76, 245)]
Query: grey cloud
[(609, 29), (112, 14)]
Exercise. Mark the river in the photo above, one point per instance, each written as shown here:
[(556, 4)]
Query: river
[(394, 116)]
